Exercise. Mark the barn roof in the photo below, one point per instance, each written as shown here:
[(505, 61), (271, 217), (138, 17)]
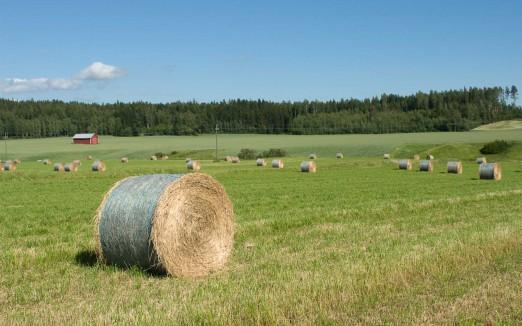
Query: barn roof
[(83, 136)]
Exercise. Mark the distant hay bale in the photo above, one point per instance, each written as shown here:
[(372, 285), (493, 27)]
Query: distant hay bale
[(405, 165), (228, 158), (235, 159), (70, 167), (426, 166), (98, 166), (164, 158), (58, 167), (490, 171), (47, 162), (181, 225), (77, 162), (17, 161), (260, 162), (455, 167), (312, 156), (416, 157), (124, 160), (278, 164), (387, 156), (188, 160), (481, 160), (339, 155), (193, 165), (89, 158), (308, 166), (153, 158), (10, 166), (430, 157)]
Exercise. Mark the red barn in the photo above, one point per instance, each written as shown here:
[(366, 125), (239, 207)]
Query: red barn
[(89, 139)]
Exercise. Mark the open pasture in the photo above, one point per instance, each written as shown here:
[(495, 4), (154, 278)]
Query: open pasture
[(357, 242)]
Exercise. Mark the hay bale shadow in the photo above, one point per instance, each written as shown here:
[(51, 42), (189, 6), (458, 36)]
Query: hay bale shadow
[(86, 258)]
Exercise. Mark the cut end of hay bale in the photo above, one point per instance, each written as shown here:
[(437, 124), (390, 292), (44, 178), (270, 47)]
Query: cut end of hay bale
[(228, 158), (278, 164), (98, 166), (47, 162), (405, 164), (9, 166), (426, 166), (490, 171), (235, 159), (59, 167), (339, 155), (308, 166), (70, 167), (183, 226), (455, 167), (260, 162), (193, 165), (153, 158), (124, 160)]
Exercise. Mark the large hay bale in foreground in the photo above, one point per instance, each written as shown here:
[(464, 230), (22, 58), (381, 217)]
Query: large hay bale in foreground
[(124, 160), (308, 166), (193, 165), (339, 155), (98, 166), (405, 165), (260, 162), (235, 159), (490, 171), (426, 166), (182, 225), (278, 164), (387, 156), (58, 167), (455, 167), (10, 166), (312, 156), (70, 167), (481, 160)]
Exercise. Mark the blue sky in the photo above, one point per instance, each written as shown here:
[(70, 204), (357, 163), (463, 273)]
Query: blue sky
[(162, 51)]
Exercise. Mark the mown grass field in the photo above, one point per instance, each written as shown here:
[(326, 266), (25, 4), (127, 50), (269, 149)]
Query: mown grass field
[(357, 242)]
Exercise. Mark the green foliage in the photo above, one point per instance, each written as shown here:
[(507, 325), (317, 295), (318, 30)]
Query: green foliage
[(247, 154), (160, 155), (273, 152), (496, 147)]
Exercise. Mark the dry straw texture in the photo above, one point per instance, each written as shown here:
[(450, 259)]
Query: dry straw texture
[(228, 158), (260, 162), (182, 225), (17, 161), (193, 165), (278, 164), (312, 156), (490, 171), (455, 167), (235, 159), (98, 166), (77, 162), (426, 166), (481, 160), (308, 166), (339, 155), (124, 160), (405, 164), (58, 167), (70, 167), (387, 156)]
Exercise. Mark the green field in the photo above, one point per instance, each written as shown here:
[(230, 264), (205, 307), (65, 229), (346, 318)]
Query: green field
[(502, 125), (358, 242)]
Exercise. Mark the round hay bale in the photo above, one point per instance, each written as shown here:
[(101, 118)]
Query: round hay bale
[(481, 160), (193, 165), (153, 158), (430, 157), (124, 160), (77, 162), (98, 166), (228, 158), (181, 225), (416, 157), (235, 159), (490, 171), (9, 166), (426, 166), (89, 158), (17, 161), (387, 156), (58, 167), (164, 158), (260, 162), (455, 167), (278, 164), (405, 165), (312, 156), (70, 167), (1, 167), (47, 162), (339, 155), (308, 166)]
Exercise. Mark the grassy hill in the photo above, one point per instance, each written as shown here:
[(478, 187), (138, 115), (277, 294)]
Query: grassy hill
[(502, 125)]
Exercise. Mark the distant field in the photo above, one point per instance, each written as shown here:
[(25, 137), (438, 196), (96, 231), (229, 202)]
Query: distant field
[(359, 242), (203, 146), (502, 125)]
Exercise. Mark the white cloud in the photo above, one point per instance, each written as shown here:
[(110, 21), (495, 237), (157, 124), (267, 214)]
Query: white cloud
[(95, 72), (99, 71)]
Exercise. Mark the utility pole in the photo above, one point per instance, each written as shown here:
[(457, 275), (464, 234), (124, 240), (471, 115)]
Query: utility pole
[(5, 141), (217, 129)]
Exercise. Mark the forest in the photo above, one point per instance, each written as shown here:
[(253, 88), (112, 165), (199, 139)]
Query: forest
[(452, 110)]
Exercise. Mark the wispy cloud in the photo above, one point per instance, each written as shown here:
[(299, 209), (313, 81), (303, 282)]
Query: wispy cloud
[(94, 72)]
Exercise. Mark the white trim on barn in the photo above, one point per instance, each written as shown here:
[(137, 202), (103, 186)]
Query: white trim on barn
[(83, 136)]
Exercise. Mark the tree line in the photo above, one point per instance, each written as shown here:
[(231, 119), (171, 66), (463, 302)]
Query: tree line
[(453, 110)]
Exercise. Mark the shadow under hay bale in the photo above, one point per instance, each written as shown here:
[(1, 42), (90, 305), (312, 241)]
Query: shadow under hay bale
[(181, 225), (98, 166), (278, 164), (312, 156), (455, 167), (86, 258), (405, 165), (70, 167), (490, 171), (426, 166), (260, 162), (308, 166), (193, 165)]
